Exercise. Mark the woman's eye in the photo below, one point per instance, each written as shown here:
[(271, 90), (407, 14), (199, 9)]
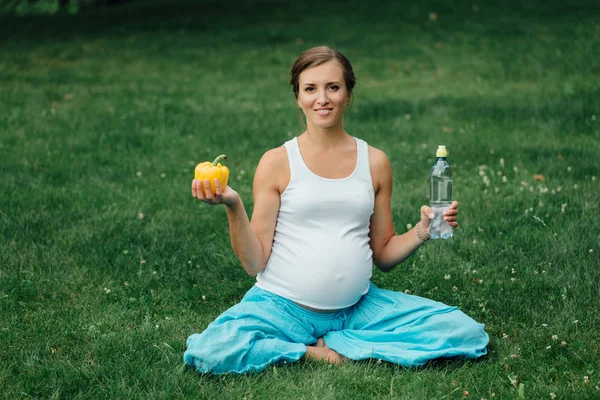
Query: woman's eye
[(334, 87), (309, 89)]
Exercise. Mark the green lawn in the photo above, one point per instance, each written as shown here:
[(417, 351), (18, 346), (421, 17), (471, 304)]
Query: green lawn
[(107, 264)]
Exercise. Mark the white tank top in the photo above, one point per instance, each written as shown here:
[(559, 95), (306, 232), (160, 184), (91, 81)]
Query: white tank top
[(320, 255)]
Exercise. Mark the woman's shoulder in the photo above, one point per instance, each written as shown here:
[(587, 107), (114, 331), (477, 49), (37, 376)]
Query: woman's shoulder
[(274, 167), (377, 158), (381, 170), (275, 157)]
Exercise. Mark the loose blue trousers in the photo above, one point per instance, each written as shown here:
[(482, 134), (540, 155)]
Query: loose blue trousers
[(265, 328)]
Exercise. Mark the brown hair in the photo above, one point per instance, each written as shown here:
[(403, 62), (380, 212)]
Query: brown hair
[(317, 56)]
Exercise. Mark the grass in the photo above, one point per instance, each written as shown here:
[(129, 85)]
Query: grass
[(107, 264)]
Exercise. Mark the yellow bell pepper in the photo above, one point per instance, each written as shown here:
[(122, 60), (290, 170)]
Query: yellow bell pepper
[(210, 171)]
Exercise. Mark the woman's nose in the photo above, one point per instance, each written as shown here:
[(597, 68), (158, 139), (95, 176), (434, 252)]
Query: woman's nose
[(322, 100)]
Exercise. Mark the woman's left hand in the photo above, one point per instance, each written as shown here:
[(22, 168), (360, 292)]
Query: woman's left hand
[(450, 215)]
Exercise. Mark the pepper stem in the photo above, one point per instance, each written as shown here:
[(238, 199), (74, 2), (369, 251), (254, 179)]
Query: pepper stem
[(221, 157)]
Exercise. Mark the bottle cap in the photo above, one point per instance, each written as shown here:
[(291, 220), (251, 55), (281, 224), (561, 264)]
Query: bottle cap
[(441, 152)]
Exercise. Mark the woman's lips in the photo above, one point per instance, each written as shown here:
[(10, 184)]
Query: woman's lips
[(324, 111)]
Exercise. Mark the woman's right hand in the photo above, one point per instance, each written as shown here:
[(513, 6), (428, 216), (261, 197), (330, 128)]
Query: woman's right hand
[(201, 191)]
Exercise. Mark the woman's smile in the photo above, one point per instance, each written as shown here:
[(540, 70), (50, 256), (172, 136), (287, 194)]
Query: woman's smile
[(324, 111)]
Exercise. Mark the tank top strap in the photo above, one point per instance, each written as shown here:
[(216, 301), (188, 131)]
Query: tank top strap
[(364, 167), (297, 167)]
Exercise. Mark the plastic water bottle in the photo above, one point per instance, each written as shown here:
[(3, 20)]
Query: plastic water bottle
[(440, 179)]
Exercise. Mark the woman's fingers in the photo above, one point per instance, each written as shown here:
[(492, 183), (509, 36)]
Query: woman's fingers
[(451, 211), (218, 188), (426, 212), (208, 193), (197, 189)]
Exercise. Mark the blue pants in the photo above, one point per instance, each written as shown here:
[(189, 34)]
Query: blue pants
[(265, 328)]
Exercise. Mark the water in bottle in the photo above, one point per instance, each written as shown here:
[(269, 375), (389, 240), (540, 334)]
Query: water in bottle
[(440, 179)]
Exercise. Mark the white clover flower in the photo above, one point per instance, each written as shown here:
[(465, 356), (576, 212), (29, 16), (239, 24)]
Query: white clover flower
[(563, 343), (552, 396), (504, 336), (504, 179), (409, 226), (554, 337), (548, 347), (502, 162), (569, 169), (139, 173), (447, 277)]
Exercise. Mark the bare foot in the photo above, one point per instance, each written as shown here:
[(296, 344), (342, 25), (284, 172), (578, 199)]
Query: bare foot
[(320, 351)]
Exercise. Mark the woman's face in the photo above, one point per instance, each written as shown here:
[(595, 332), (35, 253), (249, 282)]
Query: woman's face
[(322, 94)]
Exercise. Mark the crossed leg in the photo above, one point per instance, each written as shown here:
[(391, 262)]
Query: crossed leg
[(320, 351)]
